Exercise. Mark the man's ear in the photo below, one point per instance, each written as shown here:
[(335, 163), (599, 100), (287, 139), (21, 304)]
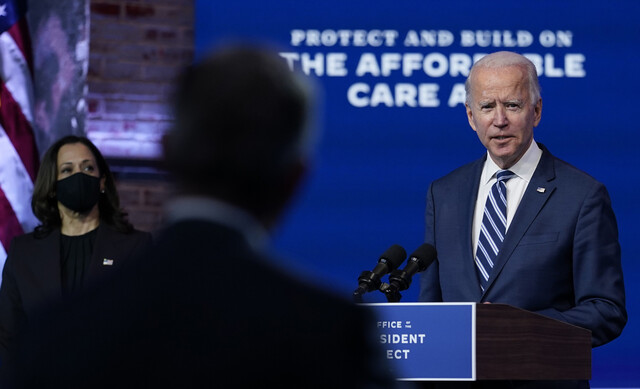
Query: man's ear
[(296, 176), (285, 192), (168, 152), (164, 142), (470, 116), (538, 112)]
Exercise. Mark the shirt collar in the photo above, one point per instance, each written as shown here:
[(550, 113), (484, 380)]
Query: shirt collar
[(524, 168), (210, 209)]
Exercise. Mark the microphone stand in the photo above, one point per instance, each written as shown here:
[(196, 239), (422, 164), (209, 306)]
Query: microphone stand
[(368, 282), (398, 280), (392, 292)]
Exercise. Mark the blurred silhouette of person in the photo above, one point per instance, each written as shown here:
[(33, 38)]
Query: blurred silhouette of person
[(83, 236), (207, 306)]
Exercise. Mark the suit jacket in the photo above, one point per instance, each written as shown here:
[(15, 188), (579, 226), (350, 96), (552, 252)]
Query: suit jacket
[(560, 256), (204, 309), (31, 278)]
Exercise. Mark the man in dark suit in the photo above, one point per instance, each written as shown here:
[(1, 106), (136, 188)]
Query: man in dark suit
[(554, 250), (207, 306)]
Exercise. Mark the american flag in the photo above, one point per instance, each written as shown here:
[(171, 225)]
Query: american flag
[(18, 152)]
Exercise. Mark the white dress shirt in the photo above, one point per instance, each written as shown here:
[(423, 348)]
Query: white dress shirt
[(516, 186), (210, 209)]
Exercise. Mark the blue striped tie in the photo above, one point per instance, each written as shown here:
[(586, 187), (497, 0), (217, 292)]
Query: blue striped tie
[(494, 225)]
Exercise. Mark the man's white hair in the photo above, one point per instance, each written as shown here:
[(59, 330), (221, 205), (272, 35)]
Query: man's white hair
[(503, 59)]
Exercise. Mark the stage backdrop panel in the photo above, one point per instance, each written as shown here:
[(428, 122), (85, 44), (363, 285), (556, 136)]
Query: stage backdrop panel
[(390, 91)]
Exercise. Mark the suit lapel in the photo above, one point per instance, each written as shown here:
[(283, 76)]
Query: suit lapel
[(535, 197), (106, 242), (46, 263), (467, 199)]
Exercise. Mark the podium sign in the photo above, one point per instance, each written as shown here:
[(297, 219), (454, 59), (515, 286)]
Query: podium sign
[(468, 341), (428, 341)]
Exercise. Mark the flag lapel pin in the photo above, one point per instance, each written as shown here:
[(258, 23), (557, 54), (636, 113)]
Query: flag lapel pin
[(107, 262)]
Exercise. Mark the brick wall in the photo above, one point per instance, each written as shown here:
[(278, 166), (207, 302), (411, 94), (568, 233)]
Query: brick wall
[(136, 49), (143, 200)]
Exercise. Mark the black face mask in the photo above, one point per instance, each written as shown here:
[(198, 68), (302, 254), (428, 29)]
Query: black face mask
[(78, 192)]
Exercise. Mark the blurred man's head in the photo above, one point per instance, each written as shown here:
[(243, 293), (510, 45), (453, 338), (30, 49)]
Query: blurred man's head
[(240, 130)]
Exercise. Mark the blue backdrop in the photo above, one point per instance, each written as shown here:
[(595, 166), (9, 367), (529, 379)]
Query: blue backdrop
[(390, 76)]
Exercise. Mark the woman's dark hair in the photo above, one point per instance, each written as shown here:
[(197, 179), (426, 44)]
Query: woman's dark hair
[(45, 204)]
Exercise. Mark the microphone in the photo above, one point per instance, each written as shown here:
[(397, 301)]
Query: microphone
[(399, 280), (370, 280)]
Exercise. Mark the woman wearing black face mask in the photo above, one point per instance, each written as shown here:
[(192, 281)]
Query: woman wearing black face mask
[(84, 236)]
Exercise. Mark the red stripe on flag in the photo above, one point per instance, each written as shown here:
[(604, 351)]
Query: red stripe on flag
[(20, 34), (10, 225), (19, 131)]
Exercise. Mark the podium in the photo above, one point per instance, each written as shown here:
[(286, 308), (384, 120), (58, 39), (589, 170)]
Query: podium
[(468, 341)]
